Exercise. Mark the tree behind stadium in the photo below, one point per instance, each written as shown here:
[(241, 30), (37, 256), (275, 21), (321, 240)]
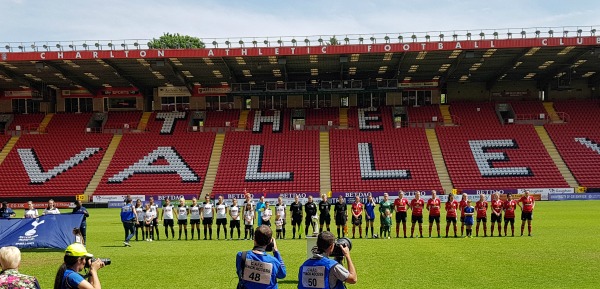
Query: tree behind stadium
[(175, 41)]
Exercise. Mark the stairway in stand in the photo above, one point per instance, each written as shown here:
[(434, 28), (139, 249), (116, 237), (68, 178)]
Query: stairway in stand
[(325, 162), (343, 118), (213, 165), (445, 110), (243, 119), (144, 121), (106, 159), (438, 159), (558, 160), (8, 147)]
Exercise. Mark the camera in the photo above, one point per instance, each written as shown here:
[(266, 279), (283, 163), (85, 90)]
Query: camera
[(269, 247), (337, 248), (105, 260)]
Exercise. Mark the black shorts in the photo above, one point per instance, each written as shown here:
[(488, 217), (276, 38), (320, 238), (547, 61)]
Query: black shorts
[(155, 222), (340, 220), (222, 221), (234, 224), (207, 221), (434, 218), (182, 222), (194, 221), (296, 220), (400, 217), (267, 223), (357, 221), (509, 220), (451, 220), (414, 219), (168, 222), (496, 218), (139, 224), (462, 219), (526, 216), (148, 225), (324, 219), (484, 219)]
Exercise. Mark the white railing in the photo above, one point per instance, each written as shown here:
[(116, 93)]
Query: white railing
[(312, 40)]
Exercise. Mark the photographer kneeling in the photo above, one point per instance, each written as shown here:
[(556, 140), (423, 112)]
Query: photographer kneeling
[(322, 272), (256, 268), (76, 259)]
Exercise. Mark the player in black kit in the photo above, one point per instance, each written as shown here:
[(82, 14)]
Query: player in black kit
[(324, 216), (296, 212), (311, 212)]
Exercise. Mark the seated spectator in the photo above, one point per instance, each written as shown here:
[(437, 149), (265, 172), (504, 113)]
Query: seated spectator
[(10, 258)]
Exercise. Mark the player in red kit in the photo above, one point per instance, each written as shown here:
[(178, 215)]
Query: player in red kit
[(526, 211), (461, 206), (401, 206), (509, 214), (357, 210), (416, 206), (481, 207), (433, 206), (497, 206), (451, 207)]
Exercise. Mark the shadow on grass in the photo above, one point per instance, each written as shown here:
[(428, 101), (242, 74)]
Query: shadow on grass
[(113, 246), (41, 250)]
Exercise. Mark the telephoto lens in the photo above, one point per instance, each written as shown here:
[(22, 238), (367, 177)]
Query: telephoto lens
[(105, 260), (339, 243)]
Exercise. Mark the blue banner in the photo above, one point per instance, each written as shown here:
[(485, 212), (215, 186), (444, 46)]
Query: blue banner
[(49, 231), (573, 197)]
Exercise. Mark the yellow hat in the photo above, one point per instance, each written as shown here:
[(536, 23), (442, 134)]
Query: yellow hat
[(77, 250)]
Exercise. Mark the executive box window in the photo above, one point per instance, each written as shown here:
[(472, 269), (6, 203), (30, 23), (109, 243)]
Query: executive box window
[(317, 100), (84, 104), (175, 103), (125, 103), (25, 106)]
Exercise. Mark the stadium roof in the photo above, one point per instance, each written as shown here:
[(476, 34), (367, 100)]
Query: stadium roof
[(381, 62)]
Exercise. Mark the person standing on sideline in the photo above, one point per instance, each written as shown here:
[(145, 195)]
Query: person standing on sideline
[(433, 206), (469, 211), (140, 214), (481, 207), (386, 204), (5, 211), (321, 272), (369, 216), (167, 218), (182, 214), (129, 219), (526, 211), (51, 209), (31, 212), (248, 222), (497, 206), (10, 259), (324, 213), (83, 227), (509, 214), (154, 210), (255, 268), (461, 206), (221, 212), (451, 207), (208, 211), (401, 206), (311, 212), (234, 222), (194, 212), (341, 216), (280, 215), (296, 212), (416, 206), (260, 206), (357, 209)]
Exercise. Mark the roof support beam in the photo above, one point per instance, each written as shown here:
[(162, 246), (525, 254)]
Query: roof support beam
[(232, 77), (180, 76), (506, 68), (594, 80), (399, 65), (560, 67), (75, 79), (453, 67), (23, 80), (143, 89)]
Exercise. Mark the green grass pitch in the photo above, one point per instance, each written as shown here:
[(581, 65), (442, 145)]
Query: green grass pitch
[(563, 253)]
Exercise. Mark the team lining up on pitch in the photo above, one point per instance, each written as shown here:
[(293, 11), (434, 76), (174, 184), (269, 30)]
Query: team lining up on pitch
[(146, 218)]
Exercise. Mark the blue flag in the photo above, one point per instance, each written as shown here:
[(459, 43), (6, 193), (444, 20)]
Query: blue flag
[(49, 231)]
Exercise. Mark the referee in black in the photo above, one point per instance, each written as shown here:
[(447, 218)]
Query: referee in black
[(324, 216), (310, 208), (296, 212)]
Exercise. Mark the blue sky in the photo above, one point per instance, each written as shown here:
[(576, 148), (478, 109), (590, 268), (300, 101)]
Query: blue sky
[(64, 20)]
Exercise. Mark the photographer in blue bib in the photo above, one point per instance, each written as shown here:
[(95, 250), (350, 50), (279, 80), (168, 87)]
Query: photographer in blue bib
[(322, 272), (256, 269), (76, 259)]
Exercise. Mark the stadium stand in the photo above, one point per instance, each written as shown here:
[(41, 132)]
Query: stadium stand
[(480, 114), (424, 114), (294, 152), (379, 167), (498, 158), (321, 117), (528, 109), (28, 122), (220, 118), (577, 141), (374, 115), (68, 122), (118, 119), (43, 165)]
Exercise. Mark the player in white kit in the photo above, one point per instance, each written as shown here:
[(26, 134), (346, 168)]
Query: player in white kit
[(182, 213), (167, 218), (221, 210), (195, 217), (154, 209), (139, 211), (280, 216), (208, 210), (234, 213)]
